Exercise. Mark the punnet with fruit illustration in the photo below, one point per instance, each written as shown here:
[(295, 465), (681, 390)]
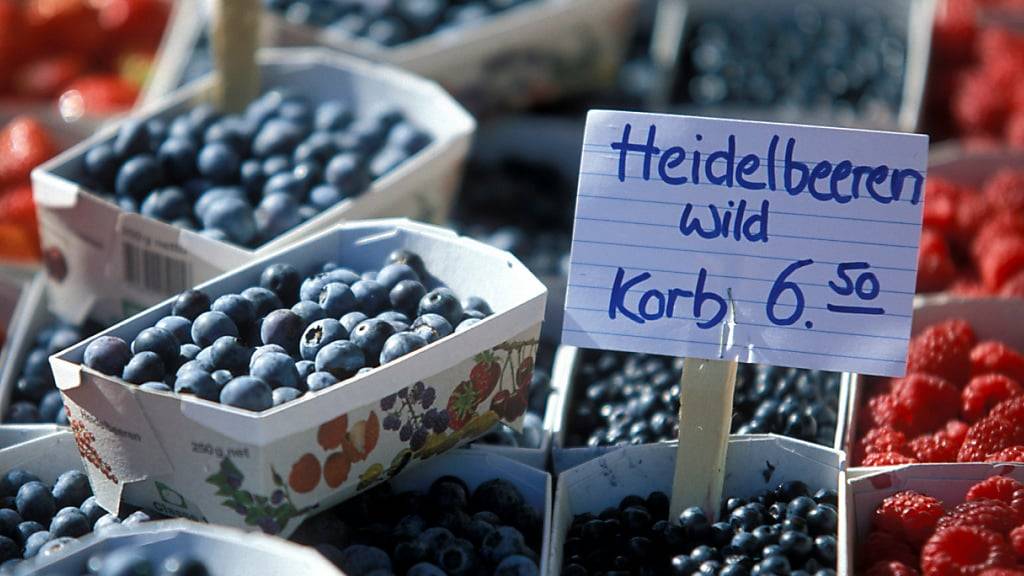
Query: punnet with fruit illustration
[(268, 413)]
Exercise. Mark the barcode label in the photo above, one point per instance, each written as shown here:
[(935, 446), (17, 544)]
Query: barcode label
[(155, 271)]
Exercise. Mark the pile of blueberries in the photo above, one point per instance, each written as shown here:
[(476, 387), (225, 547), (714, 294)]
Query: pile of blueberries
[(390, 22), (634, 399), (850, 64), (35, 398), (248, 178), (447, 530), (36, 519), (131, 561), (288, 335), (780, 531)]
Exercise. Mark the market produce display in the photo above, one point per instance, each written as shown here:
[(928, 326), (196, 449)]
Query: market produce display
[(24, 144), (91, 56), (961, 401), (392, 22), (915, 533), (448, 529), (634, 399), (246, 179), (291, 334)]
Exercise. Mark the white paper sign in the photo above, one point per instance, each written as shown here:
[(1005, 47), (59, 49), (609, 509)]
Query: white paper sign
[(772, 243)]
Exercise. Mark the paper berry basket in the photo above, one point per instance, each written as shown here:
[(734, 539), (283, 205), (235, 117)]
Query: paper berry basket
[(107, 264), (947, 482), (565, 378), (990, 318), (46, 451), (754, 463), (531, 53), (221, 550), (181, 456)]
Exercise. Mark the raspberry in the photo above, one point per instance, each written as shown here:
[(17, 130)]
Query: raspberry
[(943, 350), (1011, 454), (935, 267), (956, 431), (908, 515), (887, 459), (884, 547), (984, 392), (994, 488), (971, 214), (883, 439), (1000, 226), (924, 402), (941, 198), (1017, 541), (1005, 191), (936, 447), (1014, 287), (881, 411), (1015, 130), (1017, 502), (988, 435), (1001, 261), (966, 550), (891, 569), (990, 357), (1002, 572), (1011, 409), (968, 287), (977, 106), (992, 514)]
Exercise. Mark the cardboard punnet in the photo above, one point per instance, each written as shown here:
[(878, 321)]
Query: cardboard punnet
[(675, 25), (12, 302), (476, 467), (991, 318), (178, 455), (46, 451), (222, 550), (26, 321), (535, 52), (950, 160), (557, 418), (108, 264), (754, 463), (947, 482)]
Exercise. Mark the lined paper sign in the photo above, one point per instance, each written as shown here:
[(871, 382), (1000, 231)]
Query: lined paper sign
[(772, 243)]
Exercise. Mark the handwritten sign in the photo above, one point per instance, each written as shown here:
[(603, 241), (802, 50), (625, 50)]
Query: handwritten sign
[(759, 242)]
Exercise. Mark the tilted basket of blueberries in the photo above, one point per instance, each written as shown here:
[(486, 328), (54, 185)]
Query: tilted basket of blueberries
[(308, 375)]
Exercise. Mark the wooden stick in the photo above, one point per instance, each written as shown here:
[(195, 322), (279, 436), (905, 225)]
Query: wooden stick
[(705, 416), (235, 38)]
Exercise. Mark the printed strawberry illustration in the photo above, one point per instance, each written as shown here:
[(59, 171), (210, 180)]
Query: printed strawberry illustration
[(336, 469), (361, 439), (485, 374), (332, 433), (462, 404), (305, 474), (502, 404)]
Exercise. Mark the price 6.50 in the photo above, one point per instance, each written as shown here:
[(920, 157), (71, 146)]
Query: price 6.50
[(853, 279)]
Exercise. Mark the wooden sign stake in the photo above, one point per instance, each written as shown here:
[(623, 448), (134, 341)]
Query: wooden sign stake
[(705, 417), (236, 26)]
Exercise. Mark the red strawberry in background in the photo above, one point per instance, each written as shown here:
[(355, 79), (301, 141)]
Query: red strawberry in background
[(136, 25), (462, 404), (485, 375), (24, 144), (47, 77), (100, 94)]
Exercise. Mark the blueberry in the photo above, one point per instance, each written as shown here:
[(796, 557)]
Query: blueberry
[(107, 354), (332, 115), (71, 489), (399, 345), (190, 304), (359, 560), (285, 183), (391, 274), (144, 367), (342, 359), (126, 561), (263, 301), (92, 509), (26, 529), (319, 334), (228, 353), (283, 280), (505, 541), (346, 174), (319, 380), (284, 328), (209, 326), (232, 216), (9, 522), (405, 295), (101, 164), (167, 204), (51, 406), (199, 383), (443, 302), (822, 520), (310, 312), (106, 521), (35, 542), (305, 368), (498, 496), (32, 389), (425, 569), (211, 196), (324, 197), (159, 341), (431, 327), (221, 377), (72, 524), (13, 480), (135, 518), (477, 304), (240, 310), (351, 320), (338, 299), (8, 549), (388, 159), (35, 502), (277, 137), (138, 176), (284, 394), (371, 297), (370, 336), (179, 327), (177, 158), (248, 393), (132, 138), (277, 370), (265, 349)]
